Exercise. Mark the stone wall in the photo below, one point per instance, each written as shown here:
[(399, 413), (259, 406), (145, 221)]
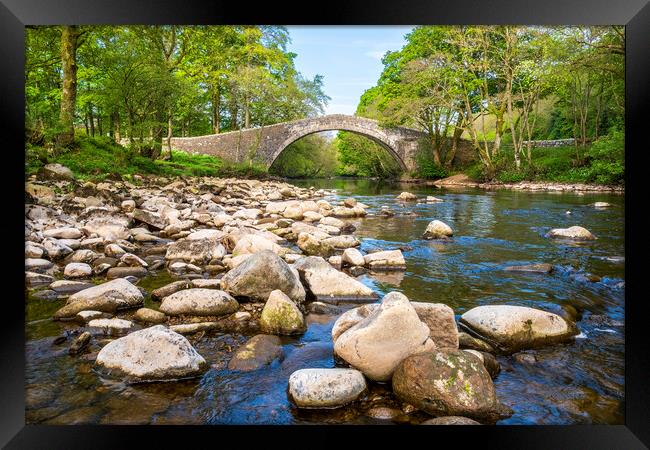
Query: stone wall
[(551, 143)]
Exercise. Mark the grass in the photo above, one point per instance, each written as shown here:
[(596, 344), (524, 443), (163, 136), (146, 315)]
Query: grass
[(99, 158)]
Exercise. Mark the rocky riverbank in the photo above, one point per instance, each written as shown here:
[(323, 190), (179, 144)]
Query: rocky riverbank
[(262, 259), (462, 180)]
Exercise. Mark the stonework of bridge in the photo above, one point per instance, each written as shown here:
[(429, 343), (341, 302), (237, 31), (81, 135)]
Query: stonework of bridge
[(264, 144)]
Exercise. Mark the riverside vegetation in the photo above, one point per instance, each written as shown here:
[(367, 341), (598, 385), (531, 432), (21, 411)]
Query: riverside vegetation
[(499, 87)]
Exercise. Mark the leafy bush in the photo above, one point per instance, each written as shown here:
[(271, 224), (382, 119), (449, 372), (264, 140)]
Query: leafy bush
[(428, 169), (607, 157), (510, 176)]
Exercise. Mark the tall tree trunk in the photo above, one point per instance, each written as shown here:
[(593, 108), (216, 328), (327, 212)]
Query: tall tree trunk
[(116, 122), (69, 41), (99, 122), (91, 119), (86, 123), (216, 112), (458, 131), (247, 113), (169, 135)]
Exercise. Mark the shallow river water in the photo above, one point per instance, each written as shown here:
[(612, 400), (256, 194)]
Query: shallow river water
[(578, 382)]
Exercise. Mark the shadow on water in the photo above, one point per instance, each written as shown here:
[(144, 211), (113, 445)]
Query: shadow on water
[(578, 382)]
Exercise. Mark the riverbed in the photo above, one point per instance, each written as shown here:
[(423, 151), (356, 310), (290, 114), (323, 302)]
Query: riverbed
[(581, 381)]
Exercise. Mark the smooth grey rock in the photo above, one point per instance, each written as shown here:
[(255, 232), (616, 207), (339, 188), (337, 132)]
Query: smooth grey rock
[(325, 388)]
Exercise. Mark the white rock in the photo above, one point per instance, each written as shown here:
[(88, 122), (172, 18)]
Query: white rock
[(574, 232), (325, 388), (77, 270), (199, 302), (352, 257), (437, 229), (386, 260), (109, 326)]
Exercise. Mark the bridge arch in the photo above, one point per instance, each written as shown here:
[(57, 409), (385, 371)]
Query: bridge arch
[(318, 127)]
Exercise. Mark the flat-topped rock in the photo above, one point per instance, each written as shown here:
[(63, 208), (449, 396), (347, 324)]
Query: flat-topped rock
[(151, 354), (328, 284), (325, 388), (513, 328), (199, 302)]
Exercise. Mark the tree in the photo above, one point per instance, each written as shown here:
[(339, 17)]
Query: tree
[(70, 42)]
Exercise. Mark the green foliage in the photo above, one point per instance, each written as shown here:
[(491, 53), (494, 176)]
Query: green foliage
[(308, 157), (607, 158), (427, 168), (604, 164), (142, 82), (97, 158), (359, 156)]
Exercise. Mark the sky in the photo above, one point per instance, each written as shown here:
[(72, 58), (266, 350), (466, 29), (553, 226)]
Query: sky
[(348, 57)]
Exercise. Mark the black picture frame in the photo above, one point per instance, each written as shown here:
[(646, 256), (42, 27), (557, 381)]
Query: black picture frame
[(15, 14)]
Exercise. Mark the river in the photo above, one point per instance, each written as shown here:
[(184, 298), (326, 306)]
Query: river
[(578, 382)]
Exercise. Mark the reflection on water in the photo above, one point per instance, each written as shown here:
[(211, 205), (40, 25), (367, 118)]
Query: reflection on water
[(578, 382)]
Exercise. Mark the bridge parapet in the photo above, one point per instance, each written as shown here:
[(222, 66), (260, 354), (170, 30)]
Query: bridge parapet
[(265, 144)]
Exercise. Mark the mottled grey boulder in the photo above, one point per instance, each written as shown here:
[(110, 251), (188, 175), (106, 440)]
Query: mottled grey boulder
[(261, 274), (448, 382), (258, 352)]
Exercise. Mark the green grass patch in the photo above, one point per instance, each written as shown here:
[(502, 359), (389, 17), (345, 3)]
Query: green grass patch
[(99, 158)]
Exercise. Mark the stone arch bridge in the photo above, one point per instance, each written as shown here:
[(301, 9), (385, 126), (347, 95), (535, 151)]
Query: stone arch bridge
[(264, 144)]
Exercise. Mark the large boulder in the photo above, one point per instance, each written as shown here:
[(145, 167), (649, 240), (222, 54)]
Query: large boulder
[(511, 328), (258, 352), (199, 302), (437, 316), (106, 297), (195, 251), (386, 260), (281, 316), (325, 388), (57, 171), (379, 342), (328, 284), (261, 274), (575, 233), (448, 382), (152, 354), (438, 230)]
